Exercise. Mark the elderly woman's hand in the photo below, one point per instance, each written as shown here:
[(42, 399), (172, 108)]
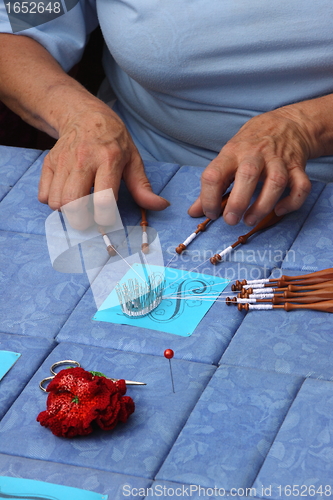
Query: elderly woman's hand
[(272, 147), (94, 149)]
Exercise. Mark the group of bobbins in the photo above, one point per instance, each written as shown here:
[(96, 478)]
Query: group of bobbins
[(144, 245), (309, 291), (200, 227), (266, 222)]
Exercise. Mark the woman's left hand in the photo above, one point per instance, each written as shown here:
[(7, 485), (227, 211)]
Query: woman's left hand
[(273, 147)]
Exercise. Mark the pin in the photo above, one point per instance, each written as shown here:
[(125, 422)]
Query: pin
[(139, 299), (168, 354)]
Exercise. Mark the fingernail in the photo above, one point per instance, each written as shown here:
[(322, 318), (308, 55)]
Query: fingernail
[(166, 201), (231, 218), (281, 211), (251, 220)]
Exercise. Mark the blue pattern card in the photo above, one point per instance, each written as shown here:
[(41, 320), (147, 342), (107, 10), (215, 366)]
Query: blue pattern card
[(186, 298), (26, 489), (7, 360)]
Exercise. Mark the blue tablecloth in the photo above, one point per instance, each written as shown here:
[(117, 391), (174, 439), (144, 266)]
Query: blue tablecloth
[(252, 408)]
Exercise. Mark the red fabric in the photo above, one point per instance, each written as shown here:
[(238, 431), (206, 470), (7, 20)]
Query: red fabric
[(77, 399)]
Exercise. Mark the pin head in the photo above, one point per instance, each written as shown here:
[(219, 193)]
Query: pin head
[(168, 353)]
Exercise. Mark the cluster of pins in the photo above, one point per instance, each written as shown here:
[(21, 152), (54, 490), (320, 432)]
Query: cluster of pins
[(139, 298), (309, 291)]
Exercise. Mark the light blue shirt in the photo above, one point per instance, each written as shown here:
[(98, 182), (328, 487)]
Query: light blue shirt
[(189, 73)]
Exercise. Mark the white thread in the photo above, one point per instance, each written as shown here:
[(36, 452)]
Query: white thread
[(261, 295), (254, 285), (246, 301), (144, 237), (254, 282), (189, 239), (107, 241), (226, 251), (267, 290), (260, 306)]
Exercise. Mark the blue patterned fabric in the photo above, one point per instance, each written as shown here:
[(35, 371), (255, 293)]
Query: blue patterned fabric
[(90, 479), (12, 167), (3, 191), (137, 447), (230, 431), (33, 351), (34, 298), (14, 215), (253, 391), (313, 248), (14, 162), (302, 450)]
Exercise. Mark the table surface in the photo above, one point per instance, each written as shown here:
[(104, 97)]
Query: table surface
[(253, 400)]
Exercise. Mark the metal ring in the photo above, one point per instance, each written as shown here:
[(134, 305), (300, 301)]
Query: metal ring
[(64, 362), (47, 379)]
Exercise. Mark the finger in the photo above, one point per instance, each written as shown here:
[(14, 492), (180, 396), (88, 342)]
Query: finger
[(276, 180), (140, 188), (75, 199), (300, 189), (215, 179), (195, 209), (246, 179), (45, 181), (107, 182), (56, 188)]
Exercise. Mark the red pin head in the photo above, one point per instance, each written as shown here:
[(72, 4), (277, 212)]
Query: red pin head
[(168, 353)]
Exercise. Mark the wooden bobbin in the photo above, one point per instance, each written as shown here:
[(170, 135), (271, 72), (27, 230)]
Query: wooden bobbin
[(238, 285), (230, 301), (243, 307), (144, 225), (203, 225), (180, 248), (323, 306), (109, 247), (215, 259), (111, 250)]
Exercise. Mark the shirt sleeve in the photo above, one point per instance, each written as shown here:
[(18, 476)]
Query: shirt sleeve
[(61, 26)]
